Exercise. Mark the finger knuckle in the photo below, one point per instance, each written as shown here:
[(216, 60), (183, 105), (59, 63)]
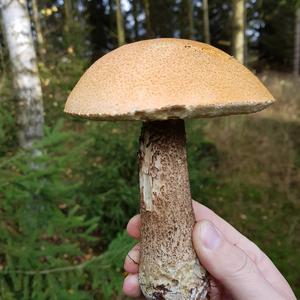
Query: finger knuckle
[(242, 268)]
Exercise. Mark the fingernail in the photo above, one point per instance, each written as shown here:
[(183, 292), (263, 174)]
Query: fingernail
[(210, 237)]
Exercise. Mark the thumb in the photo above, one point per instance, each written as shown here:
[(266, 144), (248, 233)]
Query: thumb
[(230, 265)]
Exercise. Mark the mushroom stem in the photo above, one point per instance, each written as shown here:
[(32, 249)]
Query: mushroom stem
[(169, 267)]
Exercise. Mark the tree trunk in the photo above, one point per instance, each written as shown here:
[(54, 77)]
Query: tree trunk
[(68, 14), (206, 22), (120, 24), (238, 26), (297, 44), (190, 6), (38, 29), (2, 60), (169, 268), (135, 18), (148, 19), (30, 113)]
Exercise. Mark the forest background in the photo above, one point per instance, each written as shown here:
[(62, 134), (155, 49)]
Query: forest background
[(69, 186)]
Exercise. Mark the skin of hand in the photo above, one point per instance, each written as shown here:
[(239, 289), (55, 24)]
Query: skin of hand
[(238, 268)]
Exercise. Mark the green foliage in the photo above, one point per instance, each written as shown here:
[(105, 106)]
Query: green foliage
[(108, 270), (203, 162), (67, 56), (7, 116), (62, 208), (41, 225), (110, 184), (274, 33), (101, 277)]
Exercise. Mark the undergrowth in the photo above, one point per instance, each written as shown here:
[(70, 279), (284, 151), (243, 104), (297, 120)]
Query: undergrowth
[(62, 222)]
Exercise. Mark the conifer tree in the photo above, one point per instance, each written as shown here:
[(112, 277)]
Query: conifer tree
[(68, 14), (150, 33), (206, 29), (134, 6), (190, 8)]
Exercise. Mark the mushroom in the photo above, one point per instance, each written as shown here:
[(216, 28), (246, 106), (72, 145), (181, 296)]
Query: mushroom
[(162, 82)]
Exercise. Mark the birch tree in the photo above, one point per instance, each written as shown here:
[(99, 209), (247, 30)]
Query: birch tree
[(297, 43), (206, 30), (30, 113), (38, 29), (120, 24), (238, 26)]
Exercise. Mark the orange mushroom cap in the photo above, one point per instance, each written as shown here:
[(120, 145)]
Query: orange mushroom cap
[(166, 78)]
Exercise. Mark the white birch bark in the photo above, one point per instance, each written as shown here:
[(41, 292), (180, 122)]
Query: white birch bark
[(30, 114), (297, 44), (238, 24)]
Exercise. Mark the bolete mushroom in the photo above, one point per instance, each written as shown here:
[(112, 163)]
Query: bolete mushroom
[(162, 82)]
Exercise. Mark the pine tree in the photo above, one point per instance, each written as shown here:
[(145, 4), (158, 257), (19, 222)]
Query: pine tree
[(206, 29), (297, 43), (120, 24), (150, 33), (30, 112), (190, 7), (135, 18), (238, 25), (68, 14)]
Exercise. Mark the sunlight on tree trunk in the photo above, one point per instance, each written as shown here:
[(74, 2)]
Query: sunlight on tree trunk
[(190, 6), (120, 23), (297, 44), (30, 113), (238, 26), (148, 19), (38, 29), (206, 22)]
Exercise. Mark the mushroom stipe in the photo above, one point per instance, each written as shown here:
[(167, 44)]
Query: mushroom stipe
[(169, 267)]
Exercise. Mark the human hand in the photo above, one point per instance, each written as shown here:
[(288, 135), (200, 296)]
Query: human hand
[(239, 269)]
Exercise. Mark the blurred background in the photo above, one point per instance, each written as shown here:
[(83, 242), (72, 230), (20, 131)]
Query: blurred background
[(69, 186)]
